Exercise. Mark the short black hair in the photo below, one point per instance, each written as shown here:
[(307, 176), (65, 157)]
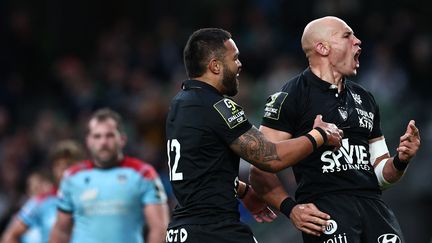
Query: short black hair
[(203, 45), (107, 113)]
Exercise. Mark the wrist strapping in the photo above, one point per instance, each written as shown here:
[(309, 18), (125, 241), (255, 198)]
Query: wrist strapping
[(323, 133), (244, 192), (286, 206), (312, 140), (398, 164)]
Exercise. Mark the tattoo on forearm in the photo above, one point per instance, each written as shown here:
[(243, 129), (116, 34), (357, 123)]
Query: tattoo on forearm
[(254, 147)]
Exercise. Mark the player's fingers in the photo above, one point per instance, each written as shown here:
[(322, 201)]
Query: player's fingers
[(405, 137), (414, 129), (258, 218), (266, 218), (341, 133), (265, 215), (311, 229), (317, 221), (314, 211), (317, 213), (270, 213)]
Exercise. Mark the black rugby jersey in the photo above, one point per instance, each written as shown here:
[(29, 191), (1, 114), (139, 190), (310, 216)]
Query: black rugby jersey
[(200, 126), (354, 110)]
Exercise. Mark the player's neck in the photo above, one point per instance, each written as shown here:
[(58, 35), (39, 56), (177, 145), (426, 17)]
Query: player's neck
[(212, 80), (325, 73), (108, 164)]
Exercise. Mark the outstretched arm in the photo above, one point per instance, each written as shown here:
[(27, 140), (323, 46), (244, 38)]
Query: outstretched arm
[(273, 157), (390, 169)]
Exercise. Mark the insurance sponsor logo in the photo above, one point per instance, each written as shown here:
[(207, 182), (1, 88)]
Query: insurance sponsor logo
[(347, 157)]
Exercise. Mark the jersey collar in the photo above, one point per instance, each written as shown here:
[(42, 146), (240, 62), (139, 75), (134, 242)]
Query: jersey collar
[(197, 84), (315, 80)]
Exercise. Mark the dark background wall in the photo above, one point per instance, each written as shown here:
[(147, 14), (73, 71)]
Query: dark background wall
[(60, 60)]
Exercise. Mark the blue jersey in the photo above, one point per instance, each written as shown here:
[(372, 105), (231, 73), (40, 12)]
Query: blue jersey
[(107, 204), (39, 214)]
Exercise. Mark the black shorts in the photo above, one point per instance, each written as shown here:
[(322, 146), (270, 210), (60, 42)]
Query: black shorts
[(222, 232), (357, 220)]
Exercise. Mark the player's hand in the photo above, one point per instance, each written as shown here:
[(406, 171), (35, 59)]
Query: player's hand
[(409, 142), (309, 219), (334, 134), (257, 207)]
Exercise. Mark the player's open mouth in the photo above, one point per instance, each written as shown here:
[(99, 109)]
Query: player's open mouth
[(356, 58)]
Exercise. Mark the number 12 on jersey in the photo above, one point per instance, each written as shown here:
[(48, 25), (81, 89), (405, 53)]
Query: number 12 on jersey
[(173, 145)]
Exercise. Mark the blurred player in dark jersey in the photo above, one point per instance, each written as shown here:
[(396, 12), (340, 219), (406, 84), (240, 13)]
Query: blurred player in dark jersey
[(207, 133), (343, 183), (34, 221)]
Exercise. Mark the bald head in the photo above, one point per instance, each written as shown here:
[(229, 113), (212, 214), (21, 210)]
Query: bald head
[(319, 31)]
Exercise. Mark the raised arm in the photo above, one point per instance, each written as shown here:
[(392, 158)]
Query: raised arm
[(388, 169)]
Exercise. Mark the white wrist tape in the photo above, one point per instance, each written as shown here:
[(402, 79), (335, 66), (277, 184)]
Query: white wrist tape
[(377, 149), (383, 183)]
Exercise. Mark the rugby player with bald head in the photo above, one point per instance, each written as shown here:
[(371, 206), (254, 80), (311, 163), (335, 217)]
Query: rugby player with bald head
[(338, 198)]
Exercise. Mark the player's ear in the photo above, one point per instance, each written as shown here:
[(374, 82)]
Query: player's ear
[(322, 48), (215, 66), (123, 140)]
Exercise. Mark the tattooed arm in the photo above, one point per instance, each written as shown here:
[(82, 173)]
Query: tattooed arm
[(273, 157), (253, 147)]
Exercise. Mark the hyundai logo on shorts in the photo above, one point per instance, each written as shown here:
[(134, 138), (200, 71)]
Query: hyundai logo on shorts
[(389, 238)]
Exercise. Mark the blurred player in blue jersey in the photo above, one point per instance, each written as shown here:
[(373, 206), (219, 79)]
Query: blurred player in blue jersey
[(36, 218), (110, 197)]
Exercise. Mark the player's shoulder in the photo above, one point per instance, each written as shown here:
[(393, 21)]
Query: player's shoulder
[(359, 89), (295, 83), (44, 196), (355, 86), (146, 170), (77, 168)]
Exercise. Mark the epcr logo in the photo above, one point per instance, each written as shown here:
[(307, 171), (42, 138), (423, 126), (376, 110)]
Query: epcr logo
[(389, 238), (331, 227)]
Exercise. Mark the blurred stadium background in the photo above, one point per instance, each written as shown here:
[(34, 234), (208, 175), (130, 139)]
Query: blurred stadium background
[(60, 60)]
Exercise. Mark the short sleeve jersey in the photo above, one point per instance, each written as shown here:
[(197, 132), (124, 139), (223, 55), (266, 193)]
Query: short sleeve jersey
[(201, 125), (354, 110), (107, 204), (40, 213)]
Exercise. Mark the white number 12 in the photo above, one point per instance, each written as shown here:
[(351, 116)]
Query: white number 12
[(173, 145)]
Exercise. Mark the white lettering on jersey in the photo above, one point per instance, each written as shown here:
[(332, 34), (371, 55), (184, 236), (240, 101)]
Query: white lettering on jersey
[(347, 157), (339, 238), (365, 119)]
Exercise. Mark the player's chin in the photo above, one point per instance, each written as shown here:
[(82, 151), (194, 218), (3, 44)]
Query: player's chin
[(105, 156)]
